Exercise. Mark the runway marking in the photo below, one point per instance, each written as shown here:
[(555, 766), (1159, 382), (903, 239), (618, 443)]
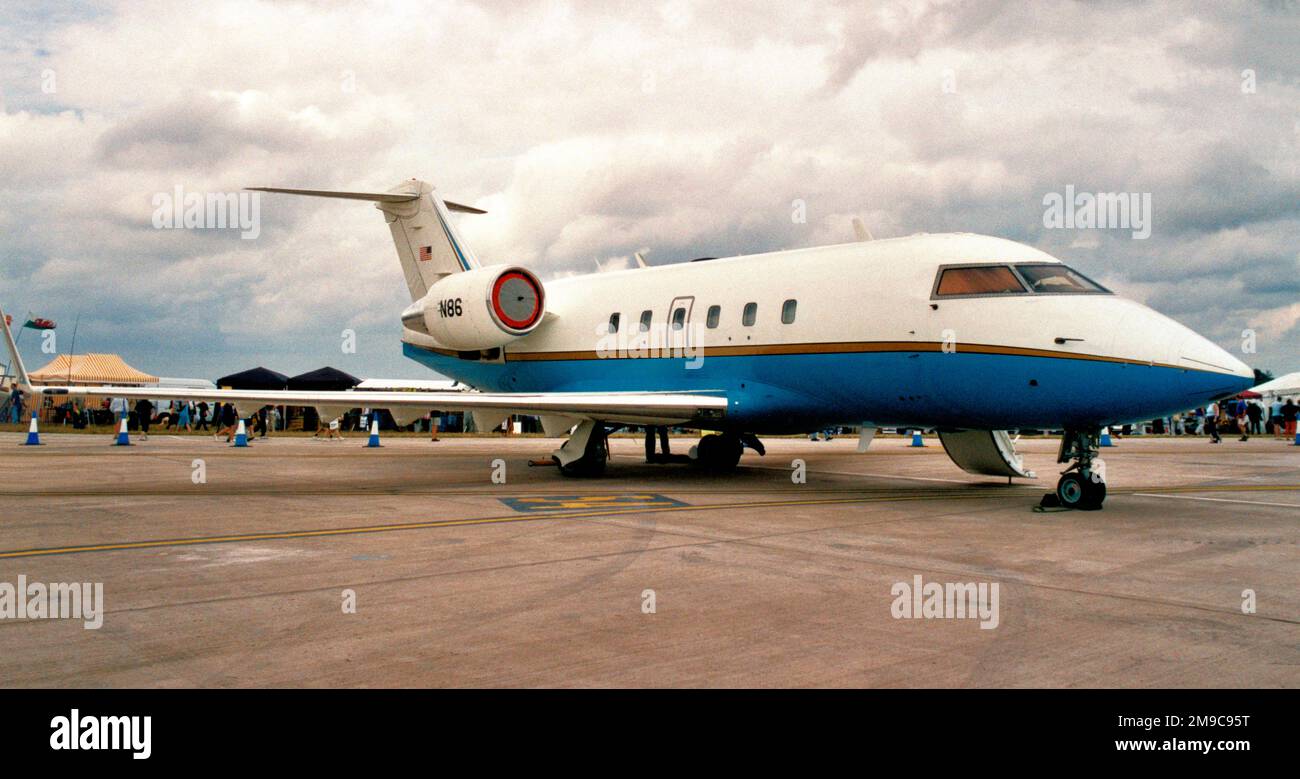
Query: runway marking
[(535, 503), (365, 529), (598, 513)]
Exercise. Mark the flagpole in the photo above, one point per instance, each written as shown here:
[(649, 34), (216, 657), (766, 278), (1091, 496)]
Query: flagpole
[(74, 347)]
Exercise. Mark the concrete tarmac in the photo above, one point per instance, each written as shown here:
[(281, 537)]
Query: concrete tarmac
[(656, 575)]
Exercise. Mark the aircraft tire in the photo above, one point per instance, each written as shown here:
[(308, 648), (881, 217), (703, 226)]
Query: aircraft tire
[(719, 452), (1076, 491)]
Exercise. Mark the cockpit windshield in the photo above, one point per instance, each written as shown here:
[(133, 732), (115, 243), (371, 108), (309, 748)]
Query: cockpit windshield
[(1032, 278), (985, 280), (1057, 278)]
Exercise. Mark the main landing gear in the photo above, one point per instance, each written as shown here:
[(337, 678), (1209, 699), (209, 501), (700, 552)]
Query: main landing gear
[(1083, 485), (586, 451), (721, 451), (718, 451)]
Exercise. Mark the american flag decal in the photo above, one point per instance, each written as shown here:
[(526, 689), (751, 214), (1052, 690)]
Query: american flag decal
[(426, 253)]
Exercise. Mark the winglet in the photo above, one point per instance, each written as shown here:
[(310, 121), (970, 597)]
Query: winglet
[(14, 357)]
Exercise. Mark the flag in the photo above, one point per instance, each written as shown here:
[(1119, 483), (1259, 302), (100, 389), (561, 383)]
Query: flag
[(39, 324), (426, 253)]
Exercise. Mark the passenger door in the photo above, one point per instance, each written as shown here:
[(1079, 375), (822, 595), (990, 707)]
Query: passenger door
[(678, 330)]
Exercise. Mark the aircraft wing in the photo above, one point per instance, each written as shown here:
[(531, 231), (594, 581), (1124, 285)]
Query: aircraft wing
[(638, 408)]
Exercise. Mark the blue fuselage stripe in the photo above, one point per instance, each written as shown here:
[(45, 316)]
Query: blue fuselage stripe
[(794, 392)]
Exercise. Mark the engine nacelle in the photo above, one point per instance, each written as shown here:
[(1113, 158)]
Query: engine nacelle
[(482, 308)]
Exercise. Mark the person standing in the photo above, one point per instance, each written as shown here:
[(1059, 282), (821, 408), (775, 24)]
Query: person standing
[(1275, 416), (1255, 415), (119, 408), (183, 419), (144, 415), (16, 405), (201, 415), (228, 422), (1212, 423), (1289, 411)]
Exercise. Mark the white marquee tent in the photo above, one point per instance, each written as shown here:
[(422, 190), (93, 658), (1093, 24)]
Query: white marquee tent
[(1287, 386)]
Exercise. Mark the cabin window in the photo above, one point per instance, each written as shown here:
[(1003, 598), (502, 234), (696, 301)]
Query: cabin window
[(991, 280), (715, 313), (679, 319), (787, 311), (750, 315), (646, 316), (1058, 278), (613, 323)]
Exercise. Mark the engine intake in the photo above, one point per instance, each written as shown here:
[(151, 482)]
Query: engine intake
[(484, 308)]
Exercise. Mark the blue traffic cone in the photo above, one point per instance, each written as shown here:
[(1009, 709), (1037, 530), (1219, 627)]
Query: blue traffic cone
[(123, 439), (241, 435), (916, 438), (374, 435), (1105, 437), (33, 438)]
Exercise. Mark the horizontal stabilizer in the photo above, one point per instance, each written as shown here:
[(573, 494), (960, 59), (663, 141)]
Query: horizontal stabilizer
[(376, 197)]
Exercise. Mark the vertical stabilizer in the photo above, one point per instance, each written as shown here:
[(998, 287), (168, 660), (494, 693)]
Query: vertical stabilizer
[(428, 246)]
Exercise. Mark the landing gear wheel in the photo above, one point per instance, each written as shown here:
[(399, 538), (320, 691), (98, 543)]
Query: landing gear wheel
[(1077, 490), (718, 452), (1083, 484)]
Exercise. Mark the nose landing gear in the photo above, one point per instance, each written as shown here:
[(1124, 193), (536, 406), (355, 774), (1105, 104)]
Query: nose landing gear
[(1083, 485)]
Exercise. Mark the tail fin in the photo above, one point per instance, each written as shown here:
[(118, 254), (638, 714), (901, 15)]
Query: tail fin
[(427, 243)]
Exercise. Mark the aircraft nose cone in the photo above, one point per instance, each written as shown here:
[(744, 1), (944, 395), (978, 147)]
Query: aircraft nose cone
[(1230, 375), (1198, 352)]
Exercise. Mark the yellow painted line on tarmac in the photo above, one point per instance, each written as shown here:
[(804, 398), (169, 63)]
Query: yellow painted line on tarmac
[(365, 529), (586, 514)]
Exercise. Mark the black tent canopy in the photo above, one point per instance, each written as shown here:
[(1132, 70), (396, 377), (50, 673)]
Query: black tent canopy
[(258, 378), (323, 379)]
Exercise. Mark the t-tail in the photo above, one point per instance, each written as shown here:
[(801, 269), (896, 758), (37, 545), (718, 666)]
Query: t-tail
[(427, 243)]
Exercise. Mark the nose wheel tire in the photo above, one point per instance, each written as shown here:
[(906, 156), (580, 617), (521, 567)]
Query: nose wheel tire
[(1078, 490)]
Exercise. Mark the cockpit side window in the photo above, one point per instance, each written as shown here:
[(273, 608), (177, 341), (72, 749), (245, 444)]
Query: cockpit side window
[(1057, 278), (978, 280)]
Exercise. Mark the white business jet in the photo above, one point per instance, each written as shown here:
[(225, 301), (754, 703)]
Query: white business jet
[(966, 334)]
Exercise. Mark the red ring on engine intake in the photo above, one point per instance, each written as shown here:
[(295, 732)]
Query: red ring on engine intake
[(516, 324)]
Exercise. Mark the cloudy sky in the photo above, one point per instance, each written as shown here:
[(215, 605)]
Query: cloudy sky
[(592, 130)]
